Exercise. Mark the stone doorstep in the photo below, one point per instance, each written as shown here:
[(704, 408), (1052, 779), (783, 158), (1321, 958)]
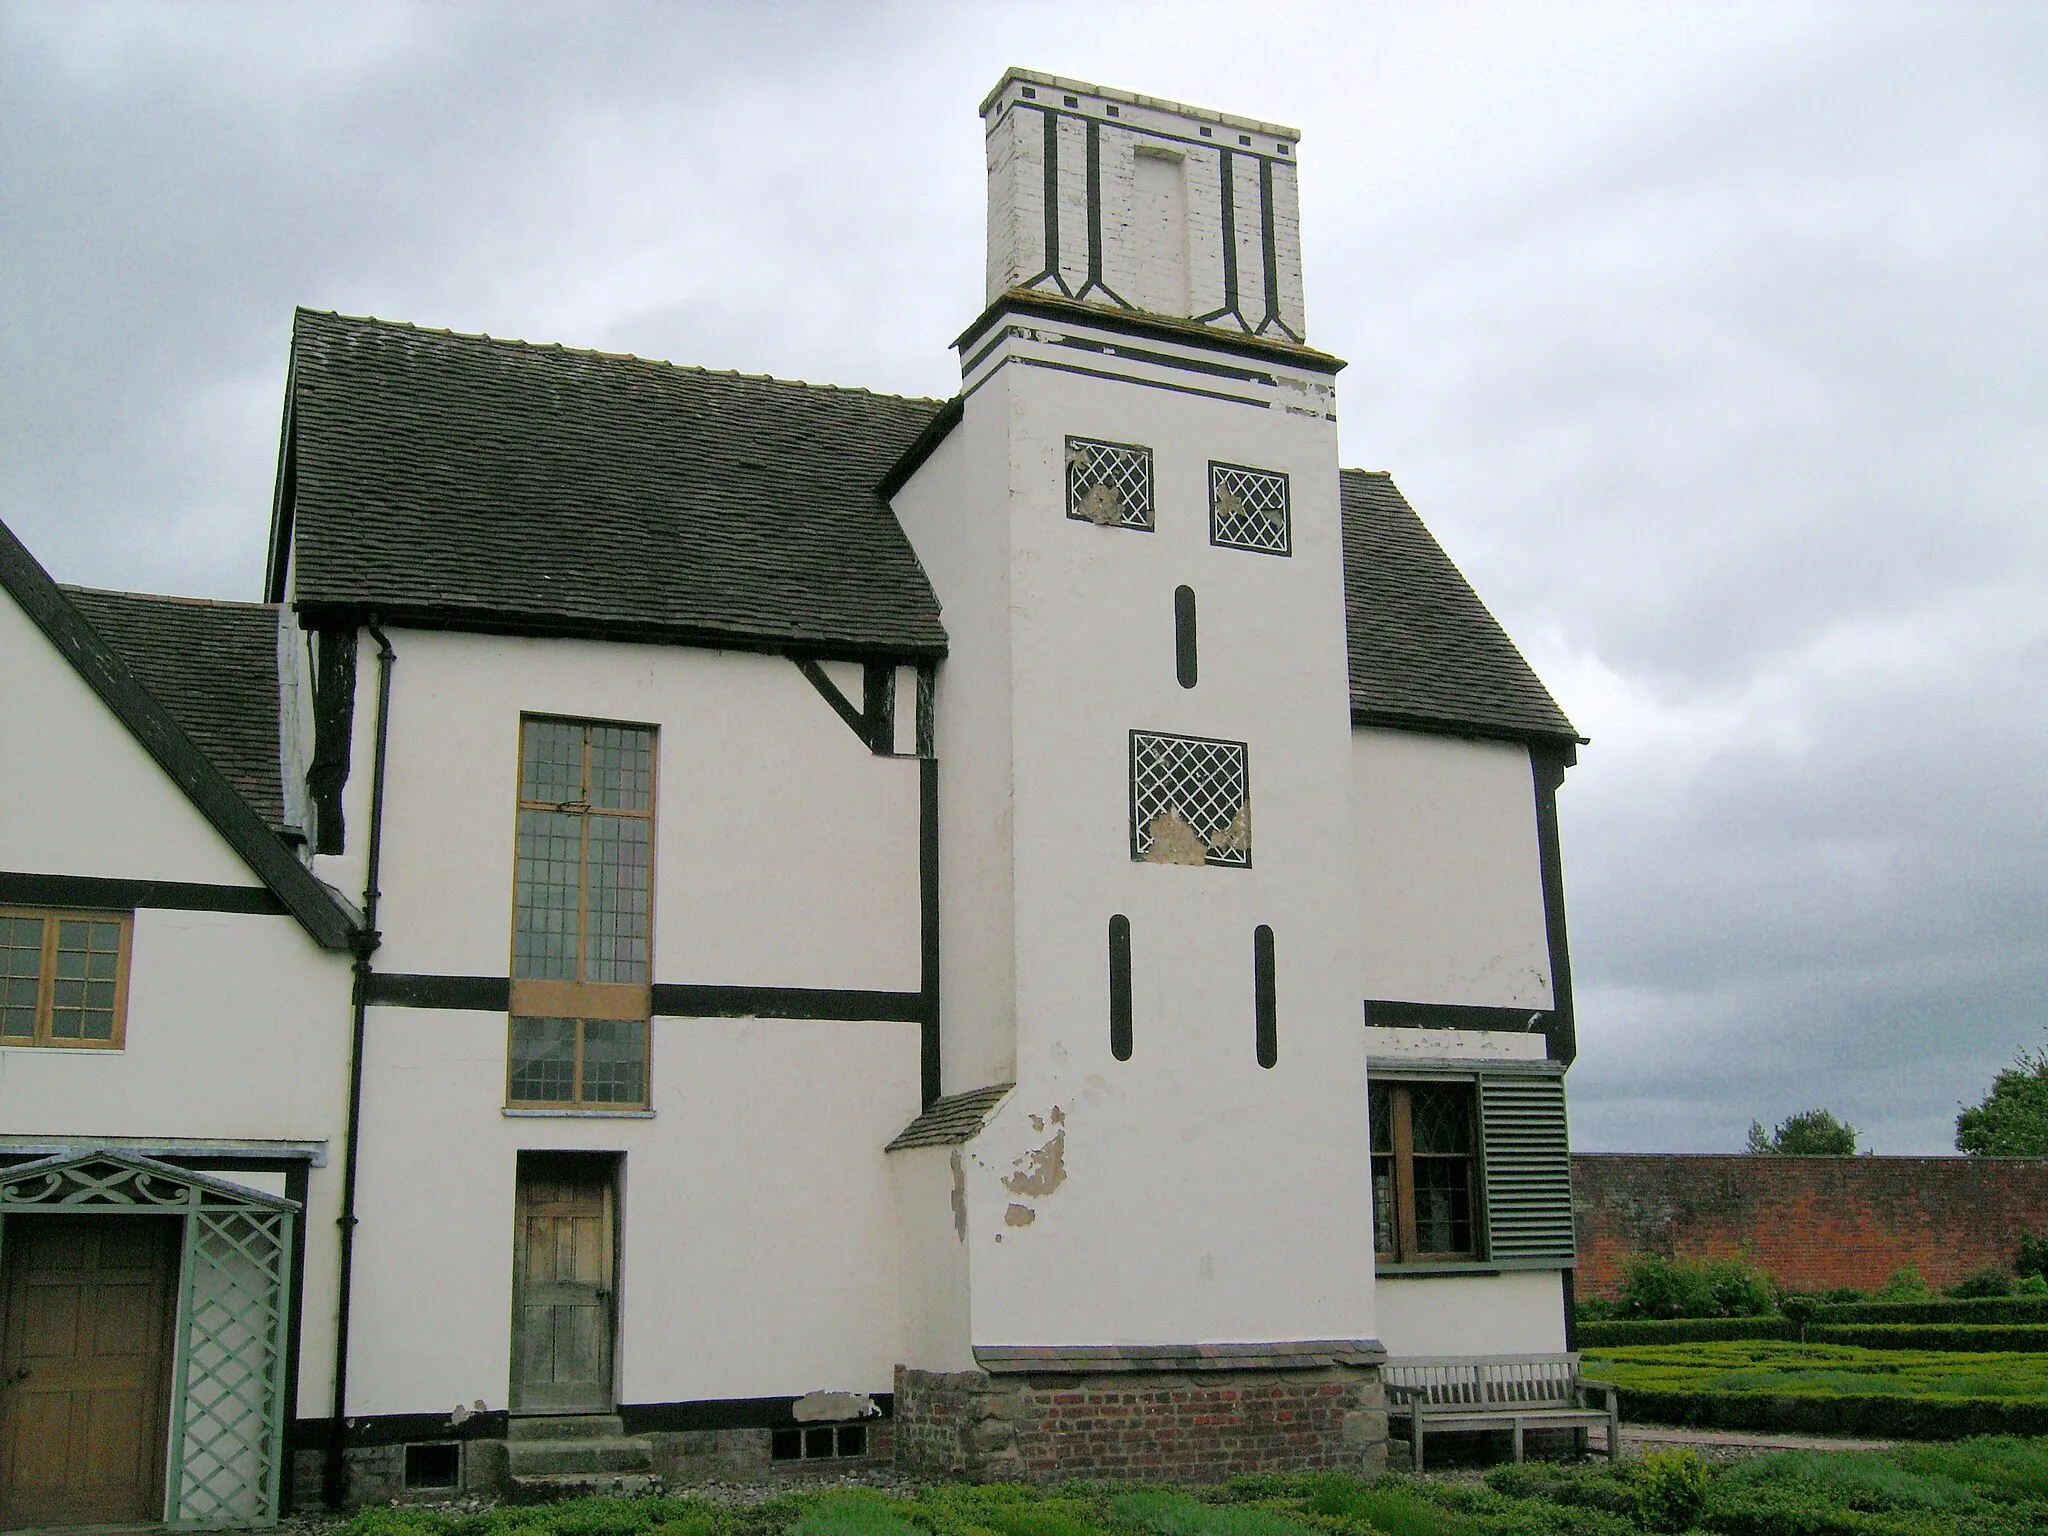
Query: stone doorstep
[(575, 1458), (536, 1490), (565, 1426)]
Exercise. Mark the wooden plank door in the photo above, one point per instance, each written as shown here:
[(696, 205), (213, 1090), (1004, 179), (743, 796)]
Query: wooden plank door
[(90, 1303), (563, 1262)]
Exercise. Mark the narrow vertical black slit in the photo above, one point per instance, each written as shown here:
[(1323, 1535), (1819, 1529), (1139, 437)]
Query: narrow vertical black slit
[(1184, 635), (1120, 987), (1263, 1000)]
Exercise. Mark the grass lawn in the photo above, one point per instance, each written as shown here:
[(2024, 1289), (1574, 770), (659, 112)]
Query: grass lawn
[(1769, 1365), (1982, 1487)]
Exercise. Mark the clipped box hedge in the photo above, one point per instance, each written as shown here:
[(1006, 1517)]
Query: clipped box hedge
[(1815, 1413), (1683, 1330), (1990, 1309), (1946, 1338)]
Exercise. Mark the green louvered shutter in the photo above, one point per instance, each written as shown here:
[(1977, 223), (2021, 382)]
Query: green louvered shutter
[(1528, 1170)]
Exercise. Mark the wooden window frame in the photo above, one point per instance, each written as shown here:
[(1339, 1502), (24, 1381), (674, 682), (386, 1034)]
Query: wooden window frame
[(584, 1001), (1407, 1248), (46, 989)]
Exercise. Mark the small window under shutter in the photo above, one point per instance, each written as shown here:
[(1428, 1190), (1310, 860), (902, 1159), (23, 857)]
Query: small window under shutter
[(1528, 1171)]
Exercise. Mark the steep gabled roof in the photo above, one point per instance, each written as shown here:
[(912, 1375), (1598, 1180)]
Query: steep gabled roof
[(323, 914), (1425, 652), (213, 665), (460, 481)]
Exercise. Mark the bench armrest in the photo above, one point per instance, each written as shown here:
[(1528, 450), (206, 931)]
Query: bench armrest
[(1405, 1395), (1607, 1389)]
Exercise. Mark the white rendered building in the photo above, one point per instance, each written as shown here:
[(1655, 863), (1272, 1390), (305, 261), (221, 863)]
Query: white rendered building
[(709, 924)]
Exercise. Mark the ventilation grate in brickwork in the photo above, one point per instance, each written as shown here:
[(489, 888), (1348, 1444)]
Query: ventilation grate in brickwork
[(1190, 801), (1248, 509), (1109, 484)]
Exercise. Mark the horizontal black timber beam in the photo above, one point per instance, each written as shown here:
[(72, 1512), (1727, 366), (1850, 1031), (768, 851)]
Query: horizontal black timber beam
[(683, 1000), (103, 894), (1387, 1015), (641, 1419)]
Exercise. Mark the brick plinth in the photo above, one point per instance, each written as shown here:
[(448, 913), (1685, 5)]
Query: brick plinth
[(1815, 1222), (1185, 1425)]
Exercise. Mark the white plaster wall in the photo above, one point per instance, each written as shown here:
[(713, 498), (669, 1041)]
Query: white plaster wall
[(1517, 1313), (785, 855), (956, 523), (1200, 1196), (101, 805), (1478, 1045), (758, 1230), (1453, 888), (931, 1237)]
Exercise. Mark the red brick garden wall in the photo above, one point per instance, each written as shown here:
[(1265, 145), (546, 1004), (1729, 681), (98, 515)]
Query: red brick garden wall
[(1816, 1223)]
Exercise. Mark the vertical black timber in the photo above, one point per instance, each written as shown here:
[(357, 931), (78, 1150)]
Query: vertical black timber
[(1265, 1004), (1228, 173), (1570, 1277), (1548, 764), (928, 907), (878, 706), (1094, 207), (334, 715), (297, 1178), (1184, 656), (1120, 987), (927, 710), (1052, 197), (1269, 247)]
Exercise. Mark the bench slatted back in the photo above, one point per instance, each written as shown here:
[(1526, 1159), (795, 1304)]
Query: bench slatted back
[(1484, 1381)]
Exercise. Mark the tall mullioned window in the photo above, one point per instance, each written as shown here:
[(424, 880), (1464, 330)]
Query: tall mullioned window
[(63, 978), (582, 915)]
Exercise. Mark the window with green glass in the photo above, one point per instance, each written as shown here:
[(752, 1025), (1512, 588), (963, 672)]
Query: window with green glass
[(582, 915), (63, 978)]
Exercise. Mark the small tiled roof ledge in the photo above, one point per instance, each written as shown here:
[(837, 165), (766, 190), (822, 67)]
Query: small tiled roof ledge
[(952, 1120), (1090, 1359)]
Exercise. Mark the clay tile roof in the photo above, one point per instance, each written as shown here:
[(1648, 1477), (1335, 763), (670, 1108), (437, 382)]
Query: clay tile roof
[(463, 481), (1425, 652), (950, 1121), (214, 667)]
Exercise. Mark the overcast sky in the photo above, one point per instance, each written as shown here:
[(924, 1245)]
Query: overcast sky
[(1712, 341)]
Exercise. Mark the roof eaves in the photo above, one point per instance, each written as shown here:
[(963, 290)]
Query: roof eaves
[(1455, 725), (328, 919), (935, 432)]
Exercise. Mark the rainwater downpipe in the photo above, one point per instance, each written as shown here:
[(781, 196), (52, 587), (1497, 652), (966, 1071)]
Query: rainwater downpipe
[(335, 1483)]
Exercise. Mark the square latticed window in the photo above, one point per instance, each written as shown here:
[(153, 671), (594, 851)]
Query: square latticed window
[(63, 977), (1248, 509), (1109, 484), (1190, 801)]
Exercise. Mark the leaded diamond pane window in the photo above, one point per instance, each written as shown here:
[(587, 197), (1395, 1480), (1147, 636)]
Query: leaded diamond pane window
[(1424, 1172), (1190, 801), (1109, 484), (1248, 509), (63, 977)]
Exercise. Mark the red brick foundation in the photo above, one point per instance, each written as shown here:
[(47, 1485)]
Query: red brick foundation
[(1152, 1425), (1816, 1223)]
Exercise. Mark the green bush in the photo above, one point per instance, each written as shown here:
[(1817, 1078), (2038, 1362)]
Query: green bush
[(2032, 1259), (1655, 1286), (1671, 1490), (2030, 1285), (2011, 1309), (1684, 1330), (1904, 1285), (1990, 1281), (1944, 1338)]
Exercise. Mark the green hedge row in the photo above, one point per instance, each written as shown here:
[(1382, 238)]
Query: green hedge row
[(1948, 1338), (1684, 1330), (1876, 1417), (1994, 1309), (1953, 1338)]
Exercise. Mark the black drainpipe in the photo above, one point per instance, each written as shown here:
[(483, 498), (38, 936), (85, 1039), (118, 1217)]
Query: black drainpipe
[(335, 1488)]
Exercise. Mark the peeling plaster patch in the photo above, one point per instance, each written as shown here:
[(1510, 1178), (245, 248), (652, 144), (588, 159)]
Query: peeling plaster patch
[(1040, 1171), (1169, 840), (959, 1198), (829, 1407), (1019, 1215)]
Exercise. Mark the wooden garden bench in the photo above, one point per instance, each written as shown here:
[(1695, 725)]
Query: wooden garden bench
[(1518, 1392)]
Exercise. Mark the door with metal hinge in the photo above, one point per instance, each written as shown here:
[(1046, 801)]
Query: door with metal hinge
[(565, 1260), (88, 1308)]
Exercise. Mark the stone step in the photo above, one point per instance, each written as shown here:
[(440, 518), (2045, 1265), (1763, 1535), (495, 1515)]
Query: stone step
[(576, 1485), (565, 1426), (579, 1458)]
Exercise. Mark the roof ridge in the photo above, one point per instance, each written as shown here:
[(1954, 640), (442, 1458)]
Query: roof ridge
[(168, 597), (619, 357)]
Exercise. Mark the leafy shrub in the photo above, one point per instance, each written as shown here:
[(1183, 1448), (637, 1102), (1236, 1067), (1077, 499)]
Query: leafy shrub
[(2011, 1309), (1812, 1133), (1168, 1512), (853, 1512), (1671, 1490), (2032, 1259), (1683, 1330), (1990, 1281), (1944, 1338), (1655, 1286), (1612, 1487), (2030, 1285), (1904, 1285)]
